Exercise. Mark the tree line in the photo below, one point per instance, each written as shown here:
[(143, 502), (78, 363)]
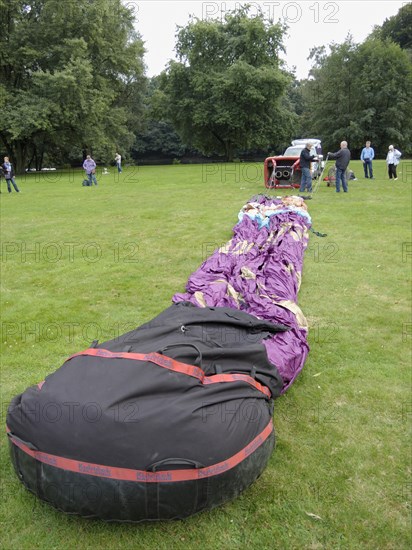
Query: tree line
[(72, 81)]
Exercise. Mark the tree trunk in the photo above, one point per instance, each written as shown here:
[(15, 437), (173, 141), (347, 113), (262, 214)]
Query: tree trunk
[(229, 151), (32, 158), (39, 157), (40, 160), (20, 157), (227, 146), (8, 149)]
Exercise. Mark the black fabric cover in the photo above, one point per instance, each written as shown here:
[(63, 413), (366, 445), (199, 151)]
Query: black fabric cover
[(135, 414)]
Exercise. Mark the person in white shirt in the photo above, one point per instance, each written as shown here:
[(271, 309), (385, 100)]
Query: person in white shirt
[(392, 160), (118, 160)]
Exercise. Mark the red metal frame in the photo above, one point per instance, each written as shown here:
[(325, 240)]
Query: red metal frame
[(275, 183)]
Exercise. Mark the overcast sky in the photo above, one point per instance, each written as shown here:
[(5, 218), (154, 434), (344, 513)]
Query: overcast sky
[(311, 23)]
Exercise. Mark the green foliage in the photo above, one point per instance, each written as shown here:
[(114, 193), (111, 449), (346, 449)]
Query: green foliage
[(293, 98), (360, 92), (383, 94), (160, 139), (398, 28), (73, 77), (225, 93)]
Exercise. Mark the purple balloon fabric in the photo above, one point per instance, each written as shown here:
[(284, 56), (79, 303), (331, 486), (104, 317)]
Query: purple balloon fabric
[(259, 271)]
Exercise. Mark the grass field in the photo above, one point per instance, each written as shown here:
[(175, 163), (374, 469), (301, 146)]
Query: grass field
[(80, 264)]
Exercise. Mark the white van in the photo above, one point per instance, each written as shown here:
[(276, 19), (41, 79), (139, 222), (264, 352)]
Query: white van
[(316, 150)]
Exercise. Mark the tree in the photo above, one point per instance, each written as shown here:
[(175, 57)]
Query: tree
[(360, 92), (329, 90), (158, 140), (397, 28), (225, 92), (72, 74), (383, 107)]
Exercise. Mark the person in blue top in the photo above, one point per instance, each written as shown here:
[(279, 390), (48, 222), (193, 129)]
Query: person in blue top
[(367, 156)]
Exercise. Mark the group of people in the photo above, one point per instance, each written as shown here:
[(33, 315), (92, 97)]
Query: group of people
[(392, 160), (89, 165), (342, 158)]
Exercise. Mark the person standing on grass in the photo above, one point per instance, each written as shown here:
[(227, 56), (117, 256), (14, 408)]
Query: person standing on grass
[(305, 159), (367, 156), (90, 166), (8, 171), (342, 158), (392, 160), (118, 160)]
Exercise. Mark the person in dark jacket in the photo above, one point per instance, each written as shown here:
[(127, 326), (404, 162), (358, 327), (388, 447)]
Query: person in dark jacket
[(305, 159), (342, 158), (8, 171)]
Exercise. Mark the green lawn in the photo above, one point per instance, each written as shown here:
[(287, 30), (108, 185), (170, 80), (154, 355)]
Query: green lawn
[(80, 264)]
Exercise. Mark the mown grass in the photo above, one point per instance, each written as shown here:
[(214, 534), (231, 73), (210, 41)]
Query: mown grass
[(84, 263)]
